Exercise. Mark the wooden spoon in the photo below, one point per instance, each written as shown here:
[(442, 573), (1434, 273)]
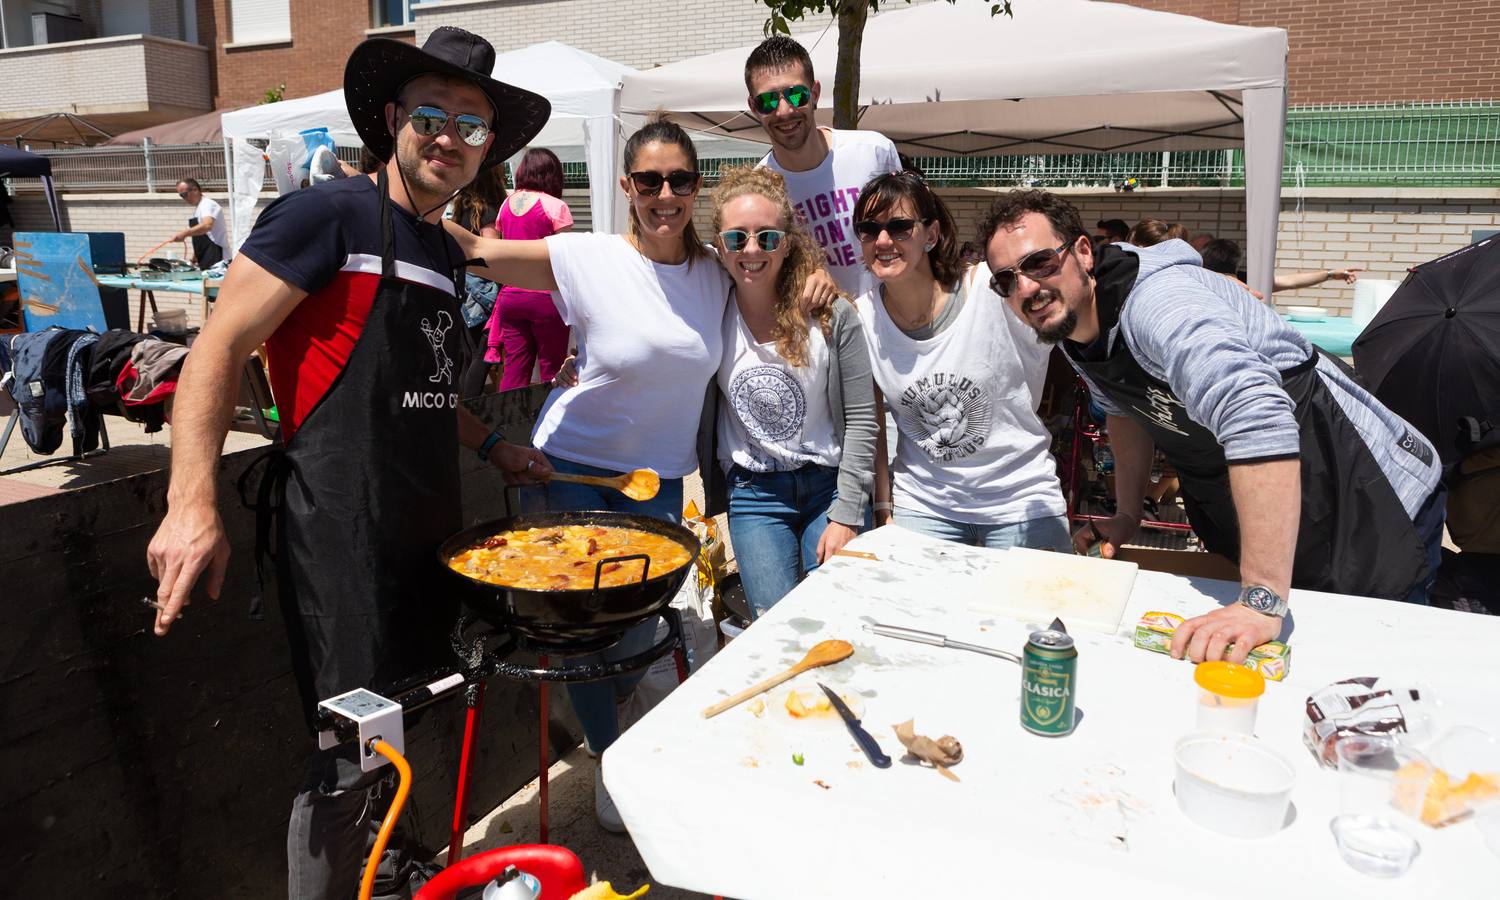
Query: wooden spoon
[(642, 484), (822, 654)]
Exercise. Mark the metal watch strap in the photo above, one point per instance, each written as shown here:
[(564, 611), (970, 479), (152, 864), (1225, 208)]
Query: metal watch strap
[(1278, 607), (489, 444)]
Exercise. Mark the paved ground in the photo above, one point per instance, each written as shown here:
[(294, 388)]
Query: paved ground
[(131, 452)]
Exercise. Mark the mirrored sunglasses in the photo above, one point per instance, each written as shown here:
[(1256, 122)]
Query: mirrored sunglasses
[(649, 183), (1037, 265), (429, 121), (737, 239), (797, 96)]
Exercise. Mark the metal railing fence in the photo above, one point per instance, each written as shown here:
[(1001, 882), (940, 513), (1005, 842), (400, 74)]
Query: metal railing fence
[(1433, 144)]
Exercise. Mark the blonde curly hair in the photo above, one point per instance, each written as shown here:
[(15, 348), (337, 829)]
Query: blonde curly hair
[(803, 257)]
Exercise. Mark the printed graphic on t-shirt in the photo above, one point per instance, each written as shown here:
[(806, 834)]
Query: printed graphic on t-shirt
[(947, 415), (435, 337), (770, 402), (829, 217)]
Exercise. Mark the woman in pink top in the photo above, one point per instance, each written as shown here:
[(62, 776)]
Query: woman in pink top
[(525, 328)]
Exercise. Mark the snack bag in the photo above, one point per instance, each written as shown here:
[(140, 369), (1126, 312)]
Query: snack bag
[(1362, 706)]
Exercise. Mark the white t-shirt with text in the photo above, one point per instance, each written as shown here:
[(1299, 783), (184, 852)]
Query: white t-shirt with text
[(774, 416), (648, 342), (969, 445), (824, 198)]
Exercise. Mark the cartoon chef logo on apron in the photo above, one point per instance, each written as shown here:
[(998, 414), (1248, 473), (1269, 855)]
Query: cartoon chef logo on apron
[(435, 337)]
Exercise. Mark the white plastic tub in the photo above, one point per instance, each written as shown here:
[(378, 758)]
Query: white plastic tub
[(1233, 784)]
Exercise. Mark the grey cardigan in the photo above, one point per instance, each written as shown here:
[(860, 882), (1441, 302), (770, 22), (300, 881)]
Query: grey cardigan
[(851, 400)]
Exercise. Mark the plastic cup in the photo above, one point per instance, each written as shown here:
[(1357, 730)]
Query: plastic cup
[(1228, 696), (1373, 835)]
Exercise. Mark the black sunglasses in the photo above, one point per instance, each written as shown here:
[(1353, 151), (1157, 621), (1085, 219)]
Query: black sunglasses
[(899, 229), (429, 121), (649, 183), (1039, 264), (737, 239), (797, 96)]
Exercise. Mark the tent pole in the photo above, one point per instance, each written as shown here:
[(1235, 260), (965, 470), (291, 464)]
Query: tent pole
[(229, 228), (1265, 140)]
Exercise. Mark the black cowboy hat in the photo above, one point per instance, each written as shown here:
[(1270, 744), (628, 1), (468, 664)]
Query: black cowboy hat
[(380, 66)]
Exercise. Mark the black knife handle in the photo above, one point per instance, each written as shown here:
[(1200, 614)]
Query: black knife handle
[(866, 742)]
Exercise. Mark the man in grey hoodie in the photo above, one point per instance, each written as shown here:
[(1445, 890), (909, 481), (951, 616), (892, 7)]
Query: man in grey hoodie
[(1288, 467)]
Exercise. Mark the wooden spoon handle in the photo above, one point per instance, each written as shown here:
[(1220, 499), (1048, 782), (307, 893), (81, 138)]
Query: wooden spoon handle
[(749, 692), (609, 481)]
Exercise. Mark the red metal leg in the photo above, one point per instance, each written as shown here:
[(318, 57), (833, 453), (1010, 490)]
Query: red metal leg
[(475, 696), (679, 655), (543, 758)]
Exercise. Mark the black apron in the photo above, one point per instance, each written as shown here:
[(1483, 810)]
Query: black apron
[(366, 490), (205, 252), (1355, 536)]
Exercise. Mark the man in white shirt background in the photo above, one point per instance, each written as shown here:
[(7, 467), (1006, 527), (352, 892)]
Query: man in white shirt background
[(206, 227), (824, 168)]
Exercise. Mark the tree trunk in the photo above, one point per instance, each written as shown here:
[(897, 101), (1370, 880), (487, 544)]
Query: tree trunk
[(852, 15)]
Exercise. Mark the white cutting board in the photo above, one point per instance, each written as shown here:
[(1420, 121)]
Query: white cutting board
[(1037, 585)]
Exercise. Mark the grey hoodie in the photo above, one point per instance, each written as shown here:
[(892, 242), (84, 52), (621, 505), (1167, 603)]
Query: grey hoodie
[(1222, 351)]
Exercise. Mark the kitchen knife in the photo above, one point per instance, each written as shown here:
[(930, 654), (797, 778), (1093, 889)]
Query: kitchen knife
[(866, 743)]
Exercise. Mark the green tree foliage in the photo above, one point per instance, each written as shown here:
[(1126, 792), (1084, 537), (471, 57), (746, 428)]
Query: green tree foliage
[(851, 16), (273, 95)]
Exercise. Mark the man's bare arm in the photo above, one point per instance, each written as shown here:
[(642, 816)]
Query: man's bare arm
[(1133, 449), (252, 304), (203, 227), (1268, 502)]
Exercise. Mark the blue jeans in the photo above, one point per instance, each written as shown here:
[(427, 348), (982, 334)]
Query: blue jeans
[(1046, 533), (594, 701), (775, 522)]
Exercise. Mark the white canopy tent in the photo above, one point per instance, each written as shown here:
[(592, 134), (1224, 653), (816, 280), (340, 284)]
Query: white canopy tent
[(583, 89), (1062, 76)]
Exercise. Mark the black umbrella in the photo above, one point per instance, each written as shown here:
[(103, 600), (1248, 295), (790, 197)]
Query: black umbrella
[(1432, 355)]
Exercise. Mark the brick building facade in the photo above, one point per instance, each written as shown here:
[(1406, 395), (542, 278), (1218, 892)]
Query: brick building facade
[(310, 62), (1350, 51)]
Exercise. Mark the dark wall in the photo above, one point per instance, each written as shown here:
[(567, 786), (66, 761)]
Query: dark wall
[(144, 767)]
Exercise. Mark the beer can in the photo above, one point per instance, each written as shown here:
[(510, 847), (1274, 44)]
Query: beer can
[(1049, 676)]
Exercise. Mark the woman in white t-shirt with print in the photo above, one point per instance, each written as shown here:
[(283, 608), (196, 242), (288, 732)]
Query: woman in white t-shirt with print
[(795, 426), (646, 310), (962, 378)]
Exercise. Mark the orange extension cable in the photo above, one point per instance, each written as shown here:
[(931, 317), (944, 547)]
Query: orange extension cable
[(403, 787)]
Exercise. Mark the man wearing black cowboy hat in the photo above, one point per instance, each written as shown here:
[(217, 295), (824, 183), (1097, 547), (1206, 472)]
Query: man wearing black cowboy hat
[(352, 285)]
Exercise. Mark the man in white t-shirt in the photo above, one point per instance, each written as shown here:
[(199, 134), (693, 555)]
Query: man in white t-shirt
[(824, 168), (206, 227)]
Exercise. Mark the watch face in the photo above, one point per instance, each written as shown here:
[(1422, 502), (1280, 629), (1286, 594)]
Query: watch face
[(1259, 599)]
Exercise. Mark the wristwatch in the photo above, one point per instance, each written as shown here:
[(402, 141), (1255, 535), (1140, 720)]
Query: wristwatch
[(1263, 600)]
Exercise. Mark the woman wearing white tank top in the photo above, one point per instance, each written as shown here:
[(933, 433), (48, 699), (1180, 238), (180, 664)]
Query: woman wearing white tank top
[(961, 377)]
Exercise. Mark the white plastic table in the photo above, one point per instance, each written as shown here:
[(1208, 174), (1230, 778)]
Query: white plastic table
[(718, 805)]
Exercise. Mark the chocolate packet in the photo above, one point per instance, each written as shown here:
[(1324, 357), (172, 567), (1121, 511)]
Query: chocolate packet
[(1364, 705)]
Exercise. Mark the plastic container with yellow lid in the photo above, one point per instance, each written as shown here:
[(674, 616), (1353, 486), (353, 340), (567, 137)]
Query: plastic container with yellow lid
[(1227, 697)]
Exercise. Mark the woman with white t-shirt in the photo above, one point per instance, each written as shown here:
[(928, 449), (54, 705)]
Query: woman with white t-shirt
[(962, 378), (646, 310), (795, 425)]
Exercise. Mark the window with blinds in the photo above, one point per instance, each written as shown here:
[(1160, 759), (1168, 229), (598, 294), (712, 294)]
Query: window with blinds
[(259, 20)]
